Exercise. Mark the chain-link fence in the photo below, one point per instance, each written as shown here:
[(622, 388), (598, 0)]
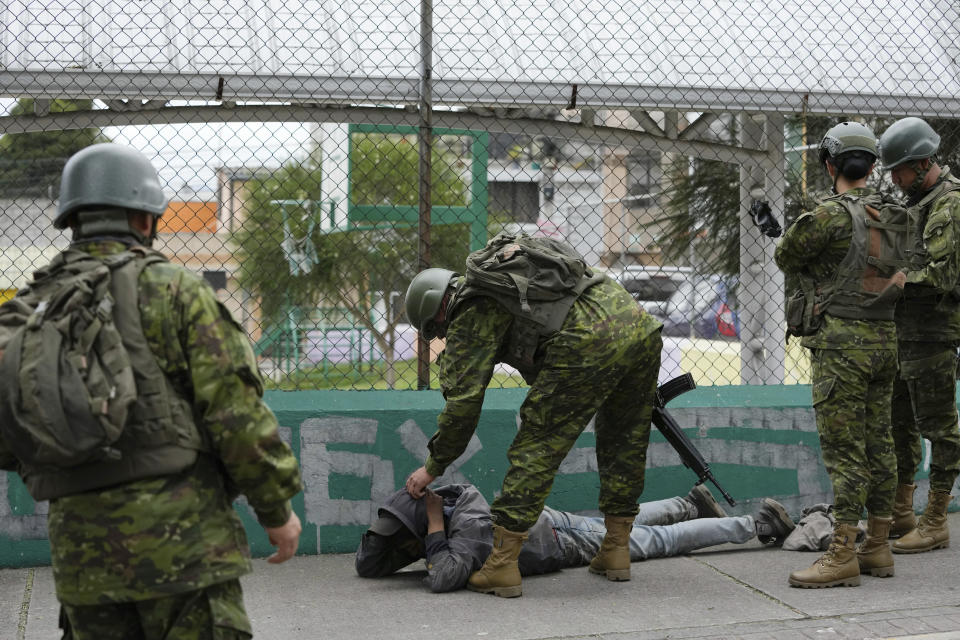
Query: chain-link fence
[(292, 139)]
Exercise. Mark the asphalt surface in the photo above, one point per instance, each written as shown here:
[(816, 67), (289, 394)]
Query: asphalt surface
[(730, 591)]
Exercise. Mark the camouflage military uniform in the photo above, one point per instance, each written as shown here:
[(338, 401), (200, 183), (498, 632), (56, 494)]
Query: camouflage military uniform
[(854, 363), (160, 546), (604, 361), (928, 329)]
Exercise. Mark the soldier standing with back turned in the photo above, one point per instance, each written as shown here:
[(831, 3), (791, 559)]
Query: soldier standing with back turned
[(841, 249), (146, 543), (928, 332)]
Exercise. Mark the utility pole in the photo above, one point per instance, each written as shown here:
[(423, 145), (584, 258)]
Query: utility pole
[(425, 144)]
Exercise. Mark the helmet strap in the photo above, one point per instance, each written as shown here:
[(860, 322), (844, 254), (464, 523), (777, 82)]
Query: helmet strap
[(921, 175), (148, 242), (835, 176), (445, 304)]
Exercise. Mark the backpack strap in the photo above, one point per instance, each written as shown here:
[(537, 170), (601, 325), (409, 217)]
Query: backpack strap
[(522, 285)]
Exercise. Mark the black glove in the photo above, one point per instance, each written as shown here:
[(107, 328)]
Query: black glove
[(763, 218)]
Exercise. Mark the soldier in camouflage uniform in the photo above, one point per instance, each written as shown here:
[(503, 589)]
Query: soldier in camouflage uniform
[(928, 331), (853, 352), (603, 361), (161, 556)]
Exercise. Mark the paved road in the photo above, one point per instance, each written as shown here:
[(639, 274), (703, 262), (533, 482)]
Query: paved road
[(732, 591)]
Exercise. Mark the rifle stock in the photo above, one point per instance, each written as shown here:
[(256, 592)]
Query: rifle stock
[(689, 455)]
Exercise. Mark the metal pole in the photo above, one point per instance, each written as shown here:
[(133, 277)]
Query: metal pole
[(425, 142), (761, 283)]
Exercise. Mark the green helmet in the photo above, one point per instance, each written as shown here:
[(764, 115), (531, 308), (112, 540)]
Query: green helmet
[(424, 296), (907, 139), (847, 136), (108, 175)]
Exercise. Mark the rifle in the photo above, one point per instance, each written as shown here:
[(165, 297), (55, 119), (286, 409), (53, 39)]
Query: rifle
[(691, 458)]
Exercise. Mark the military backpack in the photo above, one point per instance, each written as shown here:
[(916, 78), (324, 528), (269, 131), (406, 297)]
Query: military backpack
[(66, 381), (84, 403), (536, 278)]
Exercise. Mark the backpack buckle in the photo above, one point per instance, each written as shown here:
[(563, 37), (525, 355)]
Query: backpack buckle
[(36, 317), (105, 309)]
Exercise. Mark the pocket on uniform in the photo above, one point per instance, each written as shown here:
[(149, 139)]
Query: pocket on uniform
[(938, 237), (823, 389), (935, 366)]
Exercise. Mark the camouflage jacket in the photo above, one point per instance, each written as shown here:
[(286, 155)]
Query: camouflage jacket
[(930, 308), (815, 245), (478, 333), (159, 536)]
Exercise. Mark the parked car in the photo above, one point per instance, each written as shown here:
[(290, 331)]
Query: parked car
[(702, 307), (651, 286)]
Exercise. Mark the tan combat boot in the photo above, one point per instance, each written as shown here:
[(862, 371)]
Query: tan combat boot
[(874, 554), (500, 574), (931, 532), (613, 558), (837, 567), (904, 518)]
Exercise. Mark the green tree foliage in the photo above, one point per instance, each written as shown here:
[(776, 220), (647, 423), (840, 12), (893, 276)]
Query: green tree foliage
[(702, 206), (949, 131), (31, 163), (386, 171), (359, 270), (264, 266)]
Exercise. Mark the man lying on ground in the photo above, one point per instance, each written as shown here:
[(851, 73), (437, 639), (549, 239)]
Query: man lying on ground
[(451, 528)]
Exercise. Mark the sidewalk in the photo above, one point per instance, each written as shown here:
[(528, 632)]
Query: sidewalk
[(731, 591)]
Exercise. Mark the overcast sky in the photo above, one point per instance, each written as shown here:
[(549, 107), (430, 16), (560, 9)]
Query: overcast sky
[(187, 155)]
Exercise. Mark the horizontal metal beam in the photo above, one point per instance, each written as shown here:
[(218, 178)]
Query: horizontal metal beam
[(463, 92), (596, 135)]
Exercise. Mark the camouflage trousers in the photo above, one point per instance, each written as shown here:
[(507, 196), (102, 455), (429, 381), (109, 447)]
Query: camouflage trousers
[(617, 387), (925, 406), (213, 613), (851, 398)]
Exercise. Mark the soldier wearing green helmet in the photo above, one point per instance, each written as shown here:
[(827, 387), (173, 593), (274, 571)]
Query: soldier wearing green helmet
[(848, 254), (426, 294), (146, 543), (928, 332), (602, 360)]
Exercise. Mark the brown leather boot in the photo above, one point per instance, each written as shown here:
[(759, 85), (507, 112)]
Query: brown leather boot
[(874, 554), (904, 518), (837, 567), (931, 532), (500, 574), (613, 559)]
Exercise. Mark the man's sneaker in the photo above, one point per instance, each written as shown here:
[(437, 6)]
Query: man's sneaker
[(703, 500), (773, 522)]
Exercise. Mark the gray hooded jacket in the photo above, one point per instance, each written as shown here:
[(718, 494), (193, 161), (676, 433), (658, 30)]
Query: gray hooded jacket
[(458, 551)]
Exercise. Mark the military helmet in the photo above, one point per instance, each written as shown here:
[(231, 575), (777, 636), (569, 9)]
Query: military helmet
[(109, 175), (907, 139), (847, 136), (424, 296)]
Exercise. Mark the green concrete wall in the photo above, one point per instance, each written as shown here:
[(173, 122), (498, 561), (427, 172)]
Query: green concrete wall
[(356, 447)]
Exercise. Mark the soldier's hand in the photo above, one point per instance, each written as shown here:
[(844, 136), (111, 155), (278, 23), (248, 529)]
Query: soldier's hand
[(418, 481), (285, 539)]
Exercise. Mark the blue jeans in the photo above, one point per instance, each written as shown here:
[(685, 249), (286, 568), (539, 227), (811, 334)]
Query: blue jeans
[(661, 529)]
